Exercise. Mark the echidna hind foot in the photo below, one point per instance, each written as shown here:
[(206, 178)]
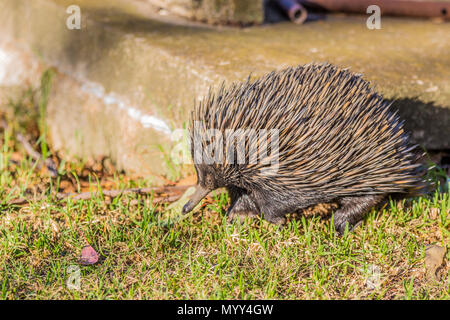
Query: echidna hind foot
[(242, 206), (240, 216), (352, 211)]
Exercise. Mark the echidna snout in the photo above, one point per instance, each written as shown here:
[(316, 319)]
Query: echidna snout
[(199, 194)]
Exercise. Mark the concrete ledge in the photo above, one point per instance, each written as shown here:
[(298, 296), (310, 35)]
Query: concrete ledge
[(127, 79)]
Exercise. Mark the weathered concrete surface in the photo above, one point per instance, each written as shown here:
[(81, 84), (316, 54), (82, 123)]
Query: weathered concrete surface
[(19, 70), (81, 123), (129, 79)]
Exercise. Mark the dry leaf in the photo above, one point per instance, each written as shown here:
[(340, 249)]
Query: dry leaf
[(88, 256)]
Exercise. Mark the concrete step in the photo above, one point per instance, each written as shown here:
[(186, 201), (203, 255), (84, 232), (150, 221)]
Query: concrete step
[(128, 78)]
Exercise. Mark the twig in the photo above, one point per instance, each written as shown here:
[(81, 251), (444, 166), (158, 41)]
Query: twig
[(159, 200), (51, 166), (113, 194), (18, 202), (28, 147), (116, 193)]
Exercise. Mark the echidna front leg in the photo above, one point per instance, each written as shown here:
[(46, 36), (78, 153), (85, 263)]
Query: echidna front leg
[(241, 205), (353, 210)]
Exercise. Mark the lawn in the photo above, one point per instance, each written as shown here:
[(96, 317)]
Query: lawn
[(146, 253)]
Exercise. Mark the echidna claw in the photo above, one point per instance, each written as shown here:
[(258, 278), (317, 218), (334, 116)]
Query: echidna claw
[(340, 230)]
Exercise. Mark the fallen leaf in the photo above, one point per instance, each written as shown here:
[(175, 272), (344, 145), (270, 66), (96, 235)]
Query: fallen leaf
[(434, 258), (88, 256)]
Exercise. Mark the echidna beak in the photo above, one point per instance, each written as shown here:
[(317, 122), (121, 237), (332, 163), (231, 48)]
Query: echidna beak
[(199, 194)]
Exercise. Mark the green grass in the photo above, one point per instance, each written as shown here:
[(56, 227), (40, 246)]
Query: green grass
[(203, 256)]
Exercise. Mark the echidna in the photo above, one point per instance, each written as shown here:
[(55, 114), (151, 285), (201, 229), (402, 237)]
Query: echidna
[(325, 135)]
